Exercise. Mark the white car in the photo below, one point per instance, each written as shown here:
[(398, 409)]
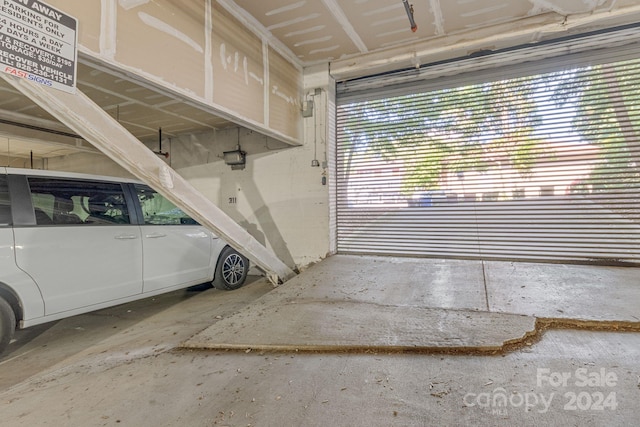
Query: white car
[(73, 243)]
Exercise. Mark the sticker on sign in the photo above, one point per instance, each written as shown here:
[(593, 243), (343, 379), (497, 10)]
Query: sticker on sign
[(39, 43)]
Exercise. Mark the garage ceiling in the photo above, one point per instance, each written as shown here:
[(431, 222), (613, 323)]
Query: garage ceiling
[(309, 31), (325, 30), (141, 110)]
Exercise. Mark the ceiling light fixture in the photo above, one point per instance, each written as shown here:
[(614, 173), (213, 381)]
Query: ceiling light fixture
[(409, 8), (236, 159)]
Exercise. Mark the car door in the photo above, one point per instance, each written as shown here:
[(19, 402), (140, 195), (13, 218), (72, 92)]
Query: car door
[(176, 249), (77, 262)]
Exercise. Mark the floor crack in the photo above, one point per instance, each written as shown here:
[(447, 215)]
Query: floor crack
[(484, 281)]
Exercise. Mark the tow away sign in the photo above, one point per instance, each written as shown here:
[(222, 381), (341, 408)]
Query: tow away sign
[(38, 43)]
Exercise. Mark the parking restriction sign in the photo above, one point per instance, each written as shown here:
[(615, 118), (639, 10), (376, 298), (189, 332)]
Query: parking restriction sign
[(38, 43)]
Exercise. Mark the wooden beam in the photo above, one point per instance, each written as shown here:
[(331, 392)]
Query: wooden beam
[(88, 120)]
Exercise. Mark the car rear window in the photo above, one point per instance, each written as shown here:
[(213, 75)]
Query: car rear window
[(68, 202)]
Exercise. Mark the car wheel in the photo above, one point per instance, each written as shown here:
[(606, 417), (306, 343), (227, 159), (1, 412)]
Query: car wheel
[(231, 270), (7, 325)]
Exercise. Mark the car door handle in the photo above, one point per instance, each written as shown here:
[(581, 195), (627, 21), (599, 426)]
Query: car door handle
[(126, 237), (155, 235)]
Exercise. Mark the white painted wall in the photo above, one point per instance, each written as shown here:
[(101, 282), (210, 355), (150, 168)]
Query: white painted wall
[(280, 198)]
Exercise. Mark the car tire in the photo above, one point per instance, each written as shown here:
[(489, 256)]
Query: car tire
[(231, 270), (7, 325)]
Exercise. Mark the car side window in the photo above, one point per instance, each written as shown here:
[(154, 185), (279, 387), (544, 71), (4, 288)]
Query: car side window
[(67, 202), (5, 202), (158, 210)]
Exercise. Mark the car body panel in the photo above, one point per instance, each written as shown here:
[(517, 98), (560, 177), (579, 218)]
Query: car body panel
[(176, 254), (17, 281), (78, 266)]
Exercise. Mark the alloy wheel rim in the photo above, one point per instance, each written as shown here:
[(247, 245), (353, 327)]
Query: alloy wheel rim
[(233, 269)]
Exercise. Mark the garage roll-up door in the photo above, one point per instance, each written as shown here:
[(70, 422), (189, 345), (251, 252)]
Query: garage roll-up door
[(535, 160)]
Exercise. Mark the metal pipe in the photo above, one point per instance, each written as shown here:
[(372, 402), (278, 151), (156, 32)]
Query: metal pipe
[(409, 8), (159, 152)]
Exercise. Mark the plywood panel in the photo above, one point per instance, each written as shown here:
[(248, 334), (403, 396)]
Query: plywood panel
[(166, 39), (88, 13), (238, 69), (285, 83), (309, 28), (381, 23), (482, 13)]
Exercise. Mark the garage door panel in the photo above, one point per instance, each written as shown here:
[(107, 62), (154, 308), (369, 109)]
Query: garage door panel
[(533, 162)]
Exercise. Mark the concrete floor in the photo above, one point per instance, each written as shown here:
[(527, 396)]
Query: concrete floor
[(131, 365)]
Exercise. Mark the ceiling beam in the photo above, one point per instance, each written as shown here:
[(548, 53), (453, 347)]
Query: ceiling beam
[(500, 36), (45, 124), (344, 22), (132, 101)]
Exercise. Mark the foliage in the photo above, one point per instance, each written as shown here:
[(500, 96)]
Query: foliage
[(607, 100), (494, 125), (453, 130)]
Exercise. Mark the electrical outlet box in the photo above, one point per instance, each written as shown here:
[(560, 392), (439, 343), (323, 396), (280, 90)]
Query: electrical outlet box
[(307, 111)]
